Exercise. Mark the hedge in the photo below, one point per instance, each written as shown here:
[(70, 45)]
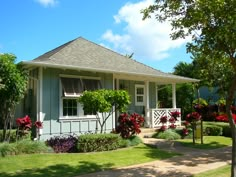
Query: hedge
[(98, 142), (225, 127)]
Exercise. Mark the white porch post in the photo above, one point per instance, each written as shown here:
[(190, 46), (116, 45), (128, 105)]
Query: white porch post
[(117, 112), (157, 96), (173, 95), (40, 100), (147, 107)]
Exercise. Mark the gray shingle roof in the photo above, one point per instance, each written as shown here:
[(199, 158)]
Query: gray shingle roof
[(83, 54)]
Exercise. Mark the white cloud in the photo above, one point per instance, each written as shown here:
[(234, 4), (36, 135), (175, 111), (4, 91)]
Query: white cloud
[(47, 3), (148, 39)]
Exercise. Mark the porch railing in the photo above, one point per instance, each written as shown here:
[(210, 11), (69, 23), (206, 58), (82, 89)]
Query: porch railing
[(157, 113)]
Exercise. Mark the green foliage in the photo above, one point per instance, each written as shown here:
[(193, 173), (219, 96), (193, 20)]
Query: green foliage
[(226, 131), (168, 135), (165, 97), (221, 101), (98, 142), (12, 135), (22, 147), (104, 102), (200, 101), (213, 131), (134, 140), (15, 80)]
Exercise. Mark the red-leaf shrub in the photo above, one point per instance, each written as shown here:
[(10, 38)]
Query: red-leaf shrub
[(163, 119), (186, 123), (175, 114), (24, 123), (62, 144), (129, 124), (172, 126), (172, 120), (224, 118), (38, 124), (24, 126), (193, 117), (163, 128), (185, 132)]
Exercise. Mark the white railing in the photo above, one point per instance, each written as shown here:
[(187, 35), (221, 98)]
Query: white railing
[(157, 113)]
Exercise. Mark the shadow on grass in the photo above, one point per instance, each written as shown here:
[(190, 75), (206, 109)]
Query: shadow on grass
[(159, 154), (143, 171), (211, 145), (62, 170)]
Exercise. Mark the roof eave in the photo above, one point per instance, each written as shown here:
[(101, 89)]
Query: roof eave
[(178, 79)]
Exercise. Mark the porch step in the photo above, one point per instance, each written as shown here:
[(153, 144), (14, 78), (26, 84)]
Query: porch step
[(147, 132)]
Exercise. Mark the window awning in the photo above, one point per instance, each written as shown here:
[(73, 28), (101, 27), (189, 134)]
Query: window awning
[(74, 87)]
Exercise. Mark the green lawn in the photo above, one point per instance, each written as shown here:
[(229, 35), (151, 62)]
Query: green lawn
[(209, 142), (54, 165), (219, 172)]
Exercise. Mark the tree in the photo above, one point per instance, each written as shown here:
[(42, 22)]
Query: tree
[(14, 78), (1, 85), (212, 26), (103, 103)]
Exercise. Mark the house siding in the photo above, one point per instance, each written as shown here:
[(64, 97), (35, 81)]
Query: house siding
[(129, 86), (53, 126)]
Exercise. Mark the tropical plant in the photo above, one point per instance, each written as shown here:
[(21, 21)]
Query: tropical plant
[(24, 126), (103, 103), (129, 125), (14, 78)]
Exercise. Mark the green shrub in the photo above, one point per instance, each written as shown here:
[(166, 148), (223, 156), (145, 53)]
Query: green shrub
[(7, 149), (212, 130), (134, 141), (98, 142), (13, 136), (22, 147), (225, 127), (226, 130), (168, 135), (123, 142), (29, 147)]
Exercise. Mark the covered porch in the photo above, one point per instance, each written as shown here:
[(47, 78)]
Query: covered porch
[(151, 112)]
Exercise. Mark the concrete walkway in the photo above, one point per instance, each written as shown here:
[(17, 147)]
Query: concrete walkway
[(192, 161)]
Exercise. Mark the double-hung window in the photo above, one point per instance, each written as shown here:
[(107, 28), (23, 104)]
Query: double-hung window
[(139, 95), (72, 88)]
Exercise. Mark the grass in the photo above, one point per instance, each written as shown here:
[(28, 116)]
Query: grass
[(209, 142), (53, 165), (219, 172)]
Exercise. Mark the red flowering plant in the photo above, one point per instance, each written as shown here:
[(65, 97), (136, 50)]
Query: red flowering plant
[(172, 120), (163, 119), (224, 118), (185, 132), (175, 114), (163, 128), (172, 126), (24, 125), (186, 129), (129, 124), (193, 117)]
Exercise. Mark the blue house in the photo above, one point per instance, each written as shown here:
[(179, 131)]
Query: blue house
[(59, 77)]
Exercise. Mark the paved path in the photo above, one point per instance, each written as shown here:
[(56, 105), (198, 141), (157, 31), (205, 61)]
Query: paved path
[(192, 162)]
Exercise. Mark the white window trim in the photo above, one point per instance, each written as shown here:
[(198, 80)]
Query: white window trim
[(79, 107), (136, 95)]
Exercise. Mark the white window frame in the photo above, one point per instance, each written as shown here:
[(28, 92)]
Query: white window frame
[(138, 86), (80, 111)]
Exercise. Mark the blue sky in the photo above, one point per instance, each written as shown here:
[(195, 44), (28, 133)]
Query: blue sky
[(29, 28)]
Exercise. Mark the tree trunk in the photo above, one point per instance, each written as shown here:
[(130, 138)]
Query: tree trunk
[(229, 101)]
